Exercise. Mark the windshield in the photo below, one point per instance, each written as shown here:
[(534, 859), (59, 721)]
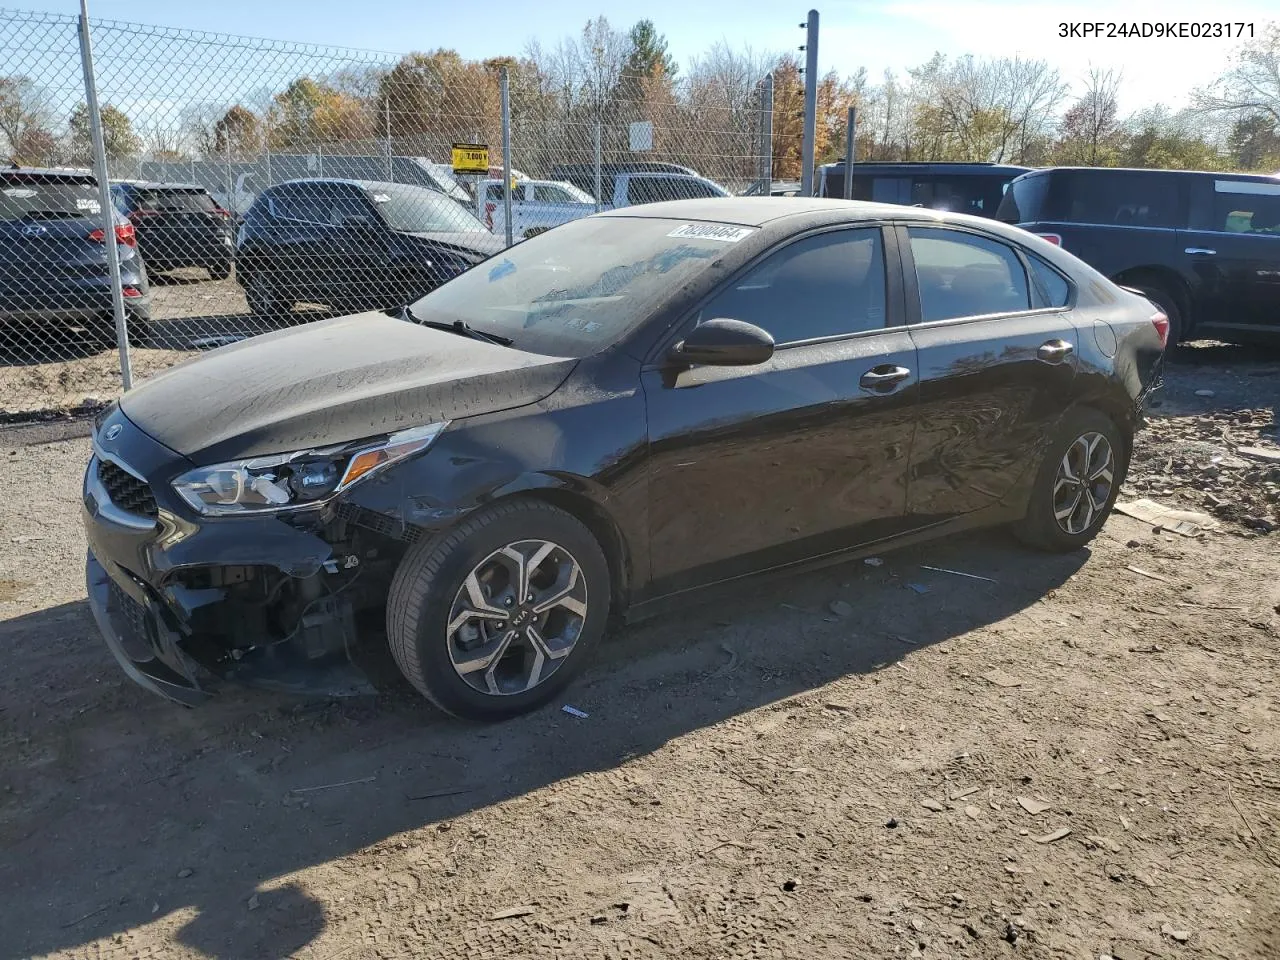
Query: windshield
[(175, 201), (420, 210), (32, 199), (580, 288)]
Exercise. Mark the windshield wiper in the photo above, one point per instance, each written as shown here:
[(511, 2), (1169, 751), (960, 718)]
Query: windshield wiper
[(460, 327)]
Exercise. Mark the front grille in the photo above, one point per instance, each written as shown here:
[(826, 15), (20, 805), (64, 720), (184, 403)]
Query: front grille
[(376, 522), (126, 491)]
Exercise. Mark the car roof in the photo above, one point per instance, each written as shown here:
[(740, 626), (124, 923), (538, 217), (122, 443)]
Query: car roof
[(1260, 177), (929, 166), (158, 185), (759, 211), (65, 174), (361, 184)]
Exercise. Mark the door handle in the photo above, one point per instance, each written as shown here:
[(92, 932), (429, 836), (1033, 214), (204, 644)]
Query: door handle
[(1055, 351), (1201, 251), (883, 378)]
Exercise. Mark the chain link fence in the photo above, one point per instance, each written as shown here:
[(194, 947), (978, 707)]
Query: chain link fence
[(258, 184)]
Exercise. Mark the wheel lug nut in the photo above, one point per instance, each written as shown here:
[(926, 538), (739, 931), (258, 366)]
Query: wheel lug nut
[(509, 601), (529, 598)]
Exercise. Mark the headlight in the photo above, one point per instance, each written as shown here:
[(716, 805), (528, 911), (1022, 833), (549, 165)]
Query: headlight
[(291, 480)]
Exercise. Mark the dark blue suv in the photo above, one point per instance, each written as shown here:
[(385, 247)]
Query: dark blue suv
[(53, 260)]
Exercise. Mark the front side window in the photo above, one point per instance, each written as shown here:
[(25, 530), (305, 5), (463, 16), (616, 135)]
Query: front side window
[(1119, 198), (826, 285), (1243, 207), (964, 275)]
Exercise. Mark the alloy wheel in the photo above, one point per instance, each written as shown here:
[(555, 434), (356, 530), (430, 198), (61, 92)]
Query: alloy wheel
[(1082, 486), (516, 617)]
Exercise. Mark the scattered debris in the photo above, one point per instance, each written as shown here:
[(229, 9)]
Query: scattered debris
[(1259, 453), (1207, 394), (512, 912), (873, 562), (1105, 842), (91, 913), (1182, 936), (184, 873), (574, 712), (330, 786), (1189, 523), (1149, 648), (253, 903), (891, 823), (972, 812), (1000, 678), (438, 793), (918, 587), (1033, 807), (961, 794), (956, 573), (1147, 573), (840, 608), (931, 804), (789, 885), (1055, 836)]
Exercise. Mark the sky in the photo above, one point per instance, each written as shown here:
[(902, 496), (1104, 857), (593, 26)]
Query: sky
[(875, 34)]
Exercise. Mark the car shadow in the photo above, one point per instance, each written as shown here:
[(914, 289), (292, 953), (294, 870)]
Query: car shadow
[(212, 811)]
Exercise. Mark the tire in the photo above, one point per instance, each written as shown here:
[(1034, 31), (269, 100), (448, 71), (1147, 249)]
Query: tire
[(1041, 527), (262, 293), (219, 270), (429, 587), (1167, 304)]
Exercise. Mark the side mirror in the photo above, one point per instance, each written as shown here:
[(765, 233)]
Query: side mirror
[(724, 343)]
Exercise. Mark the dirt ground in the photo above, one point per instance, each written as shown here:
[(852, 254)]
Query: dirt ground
[(1076, 758)]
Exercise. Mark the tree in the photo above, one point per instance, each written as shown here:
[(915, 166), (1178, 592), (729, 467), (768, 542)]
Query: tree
[(1090, 134), (24, 121), (236, 134), (1254, 142), (1252, 84), (309, 112), (117, 135), (647, 59)]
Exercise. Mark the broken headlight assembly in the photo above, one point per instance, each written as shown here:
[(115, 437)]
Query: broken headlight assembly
[(290, 481)]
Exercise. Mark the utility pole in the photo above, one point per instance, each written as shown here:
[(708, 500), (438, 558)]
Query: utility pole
[(810, 49)]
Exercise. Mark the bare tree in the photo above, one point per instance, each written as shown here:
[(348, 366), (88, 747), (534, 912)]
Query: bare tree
[(1090, 128), (1252, 84), (25, 118)]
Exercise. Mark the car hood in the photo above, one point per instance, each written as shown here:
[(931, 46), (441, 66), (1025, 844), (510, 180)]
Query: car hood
[(332, 381)]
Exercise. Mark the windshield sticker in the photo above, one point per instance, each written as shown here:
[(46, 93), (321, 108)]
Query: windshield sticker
[(381, 198), (20, 193), (90, 205), (711, 231), (503, 269)]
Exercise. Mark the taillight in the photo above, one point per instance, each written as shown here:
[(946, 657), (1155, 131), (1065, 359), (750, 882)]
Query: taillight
[(1161, 323), (1053, 238), (488, 214), (124, 234), (224, 214), (131, 291)]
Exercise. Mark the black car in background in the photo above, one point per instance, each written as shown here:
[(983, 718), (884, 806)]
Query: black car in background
[(973, 188), (53, 259), (1204, 247), (177, 225), (600, 421), (353, 244)]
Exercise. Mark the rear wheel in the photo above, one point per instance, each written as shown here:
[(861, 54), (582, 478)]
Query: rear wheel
[(495, 618), (266, 300), (1077, 483)]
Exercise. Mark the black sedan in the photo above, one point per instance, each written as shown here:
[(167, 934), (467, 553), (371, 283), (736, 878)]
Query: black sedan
[(353, 244), (593, 424)]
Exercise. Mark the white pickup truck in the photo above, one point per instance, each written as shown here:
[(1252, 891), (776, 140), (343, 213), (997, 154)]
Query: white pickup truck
[(539, 205)]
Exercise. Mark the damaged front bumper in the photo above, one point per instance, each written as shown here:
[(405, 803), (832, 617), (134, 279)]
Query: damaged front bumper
[(268, 601)]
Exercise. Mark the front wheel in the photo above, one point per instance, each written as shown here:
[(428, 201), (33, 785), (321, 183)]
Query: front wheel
[(1077, 483), (496, 617), (264, 297)]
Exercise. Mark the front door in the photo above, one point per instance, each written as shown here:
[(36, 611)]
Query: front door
[(997, 365), (806, 454)]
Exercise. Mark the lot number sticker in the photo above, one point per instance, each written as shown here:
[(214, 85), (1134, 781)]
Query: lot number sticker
[(711, 231)]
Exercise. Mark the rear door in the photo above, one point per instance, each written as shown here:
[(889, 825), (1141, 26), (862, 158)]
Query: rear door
[(1234, 250), (806, 454), (997, 365), (50, 240)]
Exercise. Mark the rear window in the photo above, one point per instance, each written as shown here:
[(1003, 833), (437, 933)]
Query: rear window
[(419, 210), (1115, 198), (175, 201), (1024, 201), (1241, 206), (24, 198)]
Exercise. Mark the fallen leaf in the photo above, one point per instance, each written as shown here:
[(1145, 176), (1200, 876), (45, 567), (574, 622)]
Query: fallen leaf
[(1033, 807), (1055, 836)]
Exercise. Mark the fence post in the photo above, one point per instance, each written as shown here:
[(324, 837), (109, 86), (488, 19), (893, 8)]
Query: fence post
[(504, 88), (766, 133), (850, 138), (104, 198), (810, 104), (598, 152), (387, 111)]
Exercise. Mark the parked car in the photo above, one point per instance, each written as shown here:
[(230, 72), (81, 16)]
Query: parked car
[(53, 259), (597, 422), (177, 225), (353, 244), (974, 188), (777, 188), (1204, 247), (583, 175), (536, 206)]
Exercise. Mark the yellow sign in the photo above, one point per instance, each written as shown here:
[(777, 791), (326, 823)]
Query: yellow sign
[(470, 158)]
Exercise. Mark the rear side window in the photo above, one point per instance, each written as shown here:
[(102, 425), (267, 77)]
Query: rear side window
[(963, 275), (1057, 290), (550, 193), (1024, 201), (837, 276), (1118, 198), (1241, 206), (23, 198)]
